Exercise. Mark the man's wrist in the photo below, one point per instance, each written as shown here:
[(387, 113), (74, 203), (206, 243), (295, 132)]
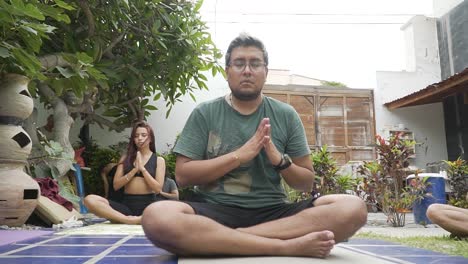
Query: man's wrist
[(285, 163), (236, 158), (280, 162)]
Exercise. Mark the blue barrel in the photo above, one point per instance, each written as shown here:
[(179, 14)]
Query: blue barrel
[(435, 193), (80, 187)]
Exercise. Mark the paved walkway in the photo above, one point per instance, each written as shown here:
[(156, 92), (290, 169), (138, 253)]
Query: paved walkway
[(377, 224)]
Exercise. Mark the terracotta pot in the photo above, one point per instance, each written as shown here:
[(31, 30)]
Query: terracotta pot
[(19, 195), (15, 100), (15, 143)]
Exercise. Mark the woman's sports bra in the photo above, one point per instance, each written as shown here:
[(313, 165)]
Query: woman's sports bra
[(150, 166)]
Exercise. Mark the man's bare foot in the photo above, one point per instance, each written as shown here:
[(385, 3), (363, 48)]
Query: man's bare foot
[(316, 244)]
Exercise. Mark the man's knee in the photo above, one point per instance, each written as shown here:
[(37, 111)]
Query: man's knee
[(349, 209), (158, 219), (157, 214), (357, 209)]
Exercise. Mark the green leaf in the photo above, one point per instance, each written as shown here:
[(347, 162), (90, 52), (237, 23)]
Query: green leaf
[(168, 112), (64, 5), (66, 72), (113, 112), (30, 30), (151, 107), (32, 88), (156, 97), (84, 58), (6, 17), (162, 43), (32, 41), (214, 70), (4, 53), (32, 11), (41, 27), (58, 86), (95, 73), (193, 97), (31, 63), (54, 13)]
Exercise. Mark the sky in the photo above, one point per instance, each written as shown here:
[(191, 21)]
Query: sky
[(335, 40)]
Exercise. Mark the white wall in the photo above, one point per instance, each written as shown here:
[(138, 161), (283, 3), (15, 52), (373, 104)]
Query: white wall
[(167, 129), (441, 7), (426, 121)]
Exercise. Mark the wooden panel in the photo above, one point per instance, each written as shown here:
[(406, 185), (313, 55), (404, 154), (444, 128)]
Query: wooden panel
[(362, 154), (304, 105), (344, 119), (340, 157), (331, 121), (279, 97), (359, 121), (309, 127), (358, 135)]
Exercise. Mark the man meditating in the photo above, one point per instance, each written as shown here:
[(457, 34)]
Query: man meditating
[(235, 150)]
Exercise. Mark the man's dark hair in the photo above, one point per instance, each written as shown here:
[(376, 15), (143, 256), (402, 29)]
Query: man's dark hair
[(246, 40)]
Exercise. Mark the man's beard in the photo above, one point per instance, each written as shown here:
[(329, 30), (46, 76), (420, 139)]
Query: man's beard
[(246, 96)]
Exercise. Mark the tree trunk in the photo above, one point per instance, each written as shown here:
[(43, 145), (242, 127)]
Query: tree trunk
[(62, 125)]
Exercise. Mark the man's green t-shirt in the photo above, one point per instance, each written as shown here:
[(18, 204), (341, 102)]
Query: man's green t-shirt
[(214, 129)]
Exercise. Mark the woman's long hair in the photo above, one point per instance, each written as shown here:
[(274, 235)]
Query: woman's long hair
[(132, 148)]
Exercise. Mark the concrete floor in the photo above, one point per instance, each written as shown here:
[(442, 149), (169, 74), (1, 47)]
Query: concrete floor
[(111, 243)]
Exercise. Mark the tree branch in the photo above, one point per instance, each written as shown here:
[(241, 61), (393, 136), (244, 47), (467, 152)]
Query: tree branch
[(128, 101), (108, 50), (48, 93), (89, 16), (106, 122), (133, 109), (53, 60)]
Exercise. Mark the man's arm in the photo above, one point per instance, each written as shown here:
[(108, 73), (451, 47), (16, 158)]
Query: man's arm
[(194, 172), (191, 172), (300, 175)]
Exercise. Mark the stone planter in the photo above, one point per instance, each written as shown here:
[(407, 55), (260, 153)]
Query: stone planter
[(19, 195), (15, 144), (16, 103)]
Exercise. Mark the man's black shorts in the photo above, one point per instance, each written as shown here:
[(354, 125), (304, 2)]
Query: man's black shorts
[(235, 217)]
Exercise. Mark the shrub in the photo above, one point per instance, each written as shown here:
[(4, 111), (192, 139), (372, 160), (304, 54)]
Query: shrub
[(385, 179), (458, 171)]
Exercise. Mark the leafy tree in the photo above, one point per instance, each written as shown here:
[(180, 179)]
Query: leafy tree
[(334, 84), (116, 55)]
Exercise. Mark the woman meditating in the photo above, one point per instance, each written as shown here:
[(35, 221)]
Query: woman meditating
[(141, 173)]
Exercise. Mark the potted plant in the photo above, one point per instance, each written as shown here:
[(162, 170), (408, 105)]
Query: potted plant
[(369, 187), (325, 171), (386, 177), (458, 179)]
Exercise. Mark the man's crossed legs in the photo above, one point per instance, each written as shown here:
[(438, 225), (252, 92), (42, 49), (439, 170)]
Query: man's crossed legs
[(312, 232)]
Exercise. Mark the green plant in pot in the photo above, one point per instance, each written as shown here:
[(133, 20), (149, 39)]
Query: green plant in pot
[(97, 158), (325, 171), (458, 179), (394, 198), (370, 185)]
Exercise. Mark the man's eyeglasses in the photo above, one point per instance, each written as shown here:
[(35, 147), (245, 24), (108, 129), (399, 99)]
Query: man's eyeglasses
[(240, 65)]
